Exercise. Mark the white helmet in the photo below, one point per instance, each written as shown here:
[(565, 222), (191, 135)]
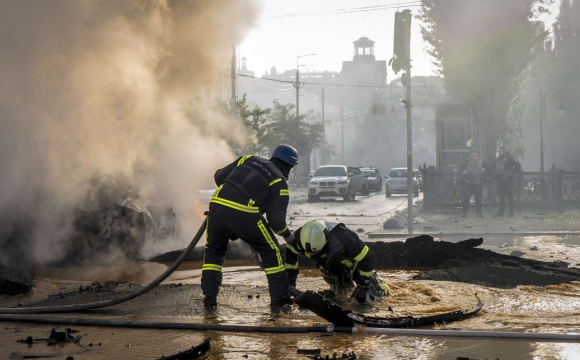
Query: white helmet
[(313, 236)]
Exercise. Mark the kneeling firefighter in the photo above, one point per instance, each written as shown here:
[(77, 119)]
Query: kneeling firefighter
[(248, 188), (340, 255)]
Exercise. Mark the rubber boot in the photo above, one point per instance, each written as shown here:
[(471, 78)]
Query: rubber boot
[(210, 305)]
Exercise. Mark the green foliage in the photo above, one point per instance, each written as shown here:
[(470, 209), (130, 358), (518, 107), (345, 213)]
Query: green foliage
[(282, 127), (484, 49), (271, 127)]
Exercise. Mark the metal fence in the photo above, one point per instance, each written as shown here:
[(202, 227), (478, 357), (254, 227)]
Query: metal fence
[(445, 188)]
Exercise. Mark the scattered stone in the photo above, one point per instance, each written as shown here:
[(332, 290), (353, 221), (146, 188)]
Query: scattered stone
[(402, 218), (15, 281), (534, 248), (250, 296), (360, 230), (308, 351), (472, 243), (505, 245), (393, 223), (418, 240), (430, 228), (517, 253), (455, 220), (513, 229), (468, 226)]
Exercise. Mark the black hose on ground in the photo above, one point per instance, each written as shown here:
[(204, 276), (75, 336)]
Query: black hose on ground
[(170, 325), (122, 299)]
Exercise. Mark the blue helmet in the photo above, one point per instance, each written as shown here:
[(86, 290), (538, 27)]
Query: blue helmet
[(286, 153)]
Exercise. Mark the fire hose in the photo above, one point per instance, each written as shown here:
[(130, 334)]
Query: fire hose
[(119, 300), (19, 315), (463, 334)]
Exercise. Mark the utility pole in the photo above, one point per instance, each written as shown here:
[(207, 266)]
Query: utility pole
[(342, 133), (323, 147), (541, 131), (233, 105), (297, 86), (402, 60)]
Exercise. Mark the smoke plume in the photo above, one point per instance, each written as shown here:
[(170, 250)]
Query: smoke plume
[(96, 92)]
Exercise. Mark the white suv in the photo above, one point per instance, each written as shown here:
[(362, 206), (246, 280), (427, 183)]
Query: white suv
[(335, 181)]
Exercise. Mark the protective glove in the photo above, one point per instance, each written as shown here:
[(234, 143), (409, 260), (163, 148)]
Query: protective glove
[(360, 294)]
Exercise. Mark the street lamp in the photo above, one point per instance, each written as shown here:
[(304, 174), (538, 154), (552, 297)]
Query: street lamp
[(556, 96), (297, 84)]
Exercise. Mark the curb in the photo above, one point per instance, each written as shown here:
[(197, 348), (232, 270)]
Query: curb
[(515, 233)]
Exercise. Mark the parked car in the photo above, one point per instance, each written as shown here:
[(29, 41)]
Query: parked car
[(374, 177), (337, 181), (397, 182)]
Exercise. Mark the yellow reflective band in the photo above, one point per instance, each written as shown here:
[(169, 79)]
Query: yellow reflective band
[(347, 263), (236, 206), (275, 181), (216, 193), (291, 267), (281, 231), (274, 270), (307, 254), (362, 254), (365, 273), (212, 267), (323, 256), (284, 192), (244, 158), (291, 248), (271, 242)]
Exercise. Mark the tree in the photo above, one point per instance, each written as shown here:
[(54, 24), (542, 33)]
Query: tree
[(282, 127), (484, 50), (558, 70)]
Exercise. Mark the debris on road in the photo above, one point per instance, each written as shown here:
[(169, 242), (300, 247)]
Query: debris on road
[(198, 352), (308, 351), (14, 281), (336, 356), (393, 223)]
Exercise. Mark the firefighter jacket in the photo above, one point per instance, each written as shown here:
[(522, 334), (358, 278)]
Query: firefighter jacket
[(343, 252), (253, 185)]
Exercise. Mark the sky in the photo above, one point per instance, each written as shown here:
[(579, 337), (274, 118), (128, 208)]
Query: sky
[(277, 38)]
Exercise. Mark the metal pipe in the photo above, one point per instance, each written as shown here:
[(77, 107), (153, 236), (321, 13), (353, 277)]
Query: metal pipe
[(469, 334), (119, 300), (461, 334)]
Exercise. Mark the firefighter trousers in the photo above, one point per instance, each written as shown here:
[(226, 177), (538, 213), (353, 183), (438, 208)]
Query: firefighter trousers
[(252, 229)]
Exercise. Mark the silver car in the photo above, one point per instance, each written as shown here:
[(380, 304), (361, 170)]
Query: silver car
[(397, 182), (337, 181), (374, 177)]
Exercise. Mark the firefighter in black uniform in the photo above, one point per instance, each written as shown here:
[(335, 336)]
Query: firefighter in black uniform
[(248, 188), (340, 255)]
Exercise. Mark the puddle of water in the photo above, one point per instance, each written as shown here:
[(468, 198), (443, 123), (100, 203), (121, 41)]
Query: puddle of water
[(120, 344), (526, 308)]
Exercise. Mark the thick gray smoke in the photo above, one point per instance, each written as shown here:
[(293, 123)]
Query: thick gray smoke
[(94, 91)]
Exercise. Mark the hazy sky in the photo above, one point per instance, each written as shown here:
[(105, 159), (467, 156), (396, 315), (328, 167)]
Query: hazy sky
[(277, 39)]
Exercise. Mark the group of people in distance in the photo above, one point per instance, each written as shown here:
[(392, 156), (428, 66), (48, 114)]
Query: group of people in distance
[(504, 168)]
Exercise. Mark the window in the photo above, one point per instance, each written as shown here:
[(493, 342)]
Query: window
[(330, 171)]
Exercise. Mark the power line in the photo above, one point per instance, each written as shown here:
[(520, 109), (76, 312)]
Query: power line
[(317, 84), (349, 10), (340, 85)]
